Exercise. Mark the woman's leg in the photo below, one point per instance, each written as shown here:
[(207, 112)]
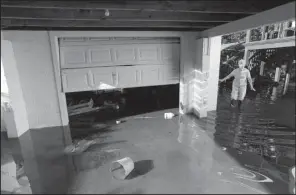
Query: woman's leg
[(242, 94), (234, 95), (239, 103)]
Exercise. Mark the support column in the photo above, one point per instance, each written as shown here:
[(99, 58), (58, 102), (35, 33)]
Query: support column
[(187, 62), (206, 75), (19, 116), (287, 80), (277, 75), (214, 70), (247, 52), (262, 68), (274, 94), (246, 57)]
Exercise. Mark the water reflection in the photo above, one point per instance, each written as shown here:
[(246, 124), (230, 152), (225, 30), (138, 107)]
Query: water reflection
[(190, 134), (236, 152), (248, 152), (247, 148), (274, 94), (251, 133), (215, 161)]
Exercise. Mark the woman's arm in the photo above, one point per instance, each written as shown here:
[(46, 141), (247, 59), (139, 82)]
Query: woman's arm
[(250, 81), (227, 77)]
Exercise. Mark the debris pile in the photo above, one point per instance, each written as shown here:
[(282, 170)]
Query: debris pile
[(82, 107), (86, 107), (79, 147)]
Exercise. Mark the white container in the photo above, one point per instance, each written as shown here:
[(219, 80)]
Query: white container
[(122, 168), (169, 115)]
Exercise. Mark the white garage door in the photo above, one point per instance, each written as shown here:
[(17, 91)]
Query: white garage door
[(100, 63)]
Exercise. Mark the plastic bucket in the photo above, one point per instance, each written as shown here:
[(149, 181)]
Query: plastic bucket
[(122, 168)]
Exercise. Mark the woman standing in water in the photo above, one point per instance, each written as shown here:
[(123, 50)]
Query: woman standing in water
[(239, 85)]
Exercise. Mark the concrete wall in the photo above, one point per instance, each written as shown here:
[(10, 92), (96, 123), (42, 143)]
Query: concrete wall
[(16, 93), (4, 98), (3, 126), (33, 60), (4, 88)]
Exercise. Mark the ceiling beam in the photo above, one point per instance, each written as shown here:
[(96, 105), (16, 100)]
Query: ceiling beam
[(53, 28), (205, 6), (25, 13), (5, 23)]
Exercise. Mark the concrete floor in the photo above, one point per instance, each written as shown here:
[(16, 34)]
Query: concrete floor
[(229, 152)]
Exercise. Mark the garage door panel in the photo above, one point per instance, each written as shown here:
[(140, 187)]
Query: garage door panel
[(100, 56), (76, 80), (110, 55), (171, 74), (73, 58), (128, 76), (124, 55), (149, 53), (89, 64), (170, 52), (151, 75), (167, 53), (104, 78)]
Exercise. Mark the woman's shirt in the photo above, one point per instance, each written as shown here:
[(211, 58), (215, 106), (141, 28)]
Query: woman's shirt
[(240, 76)]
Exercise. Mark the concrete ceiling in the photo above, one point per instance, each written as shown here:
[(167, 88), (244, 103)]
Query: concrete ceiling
[(194, 15)]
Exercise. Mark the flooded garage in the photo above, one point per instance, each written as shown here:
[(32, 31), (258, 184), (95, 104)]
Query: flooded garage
[(228, 152), (148, 97)]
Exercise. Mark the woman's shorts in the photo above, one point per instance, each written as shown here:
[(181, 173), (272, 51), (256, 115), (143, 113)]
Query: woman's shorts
[(238, 92)]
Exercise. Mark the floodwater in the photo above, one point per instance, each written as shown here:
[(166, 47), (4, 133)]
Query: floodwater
[(230, 151)]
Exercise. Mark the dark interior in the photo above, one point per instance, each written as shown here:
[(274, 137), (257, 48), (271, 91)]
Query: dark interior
[(131, 101)]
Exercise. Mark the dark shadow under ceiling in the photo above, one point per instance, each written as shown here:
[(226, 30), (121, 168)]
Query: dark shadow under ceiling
[(153, 15)]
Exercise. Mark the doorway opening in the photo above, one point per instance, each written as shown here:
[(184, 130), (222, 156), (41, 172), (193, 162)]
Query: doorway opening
[(104, 107)]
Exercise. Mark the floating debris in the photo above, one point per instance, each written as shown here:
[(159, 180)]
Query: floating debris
[(82, 108), (111, 104), (169, 115), (143, 117), (99, 126), (82, 104), (79, 147), (223, 148), (111, 150)]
